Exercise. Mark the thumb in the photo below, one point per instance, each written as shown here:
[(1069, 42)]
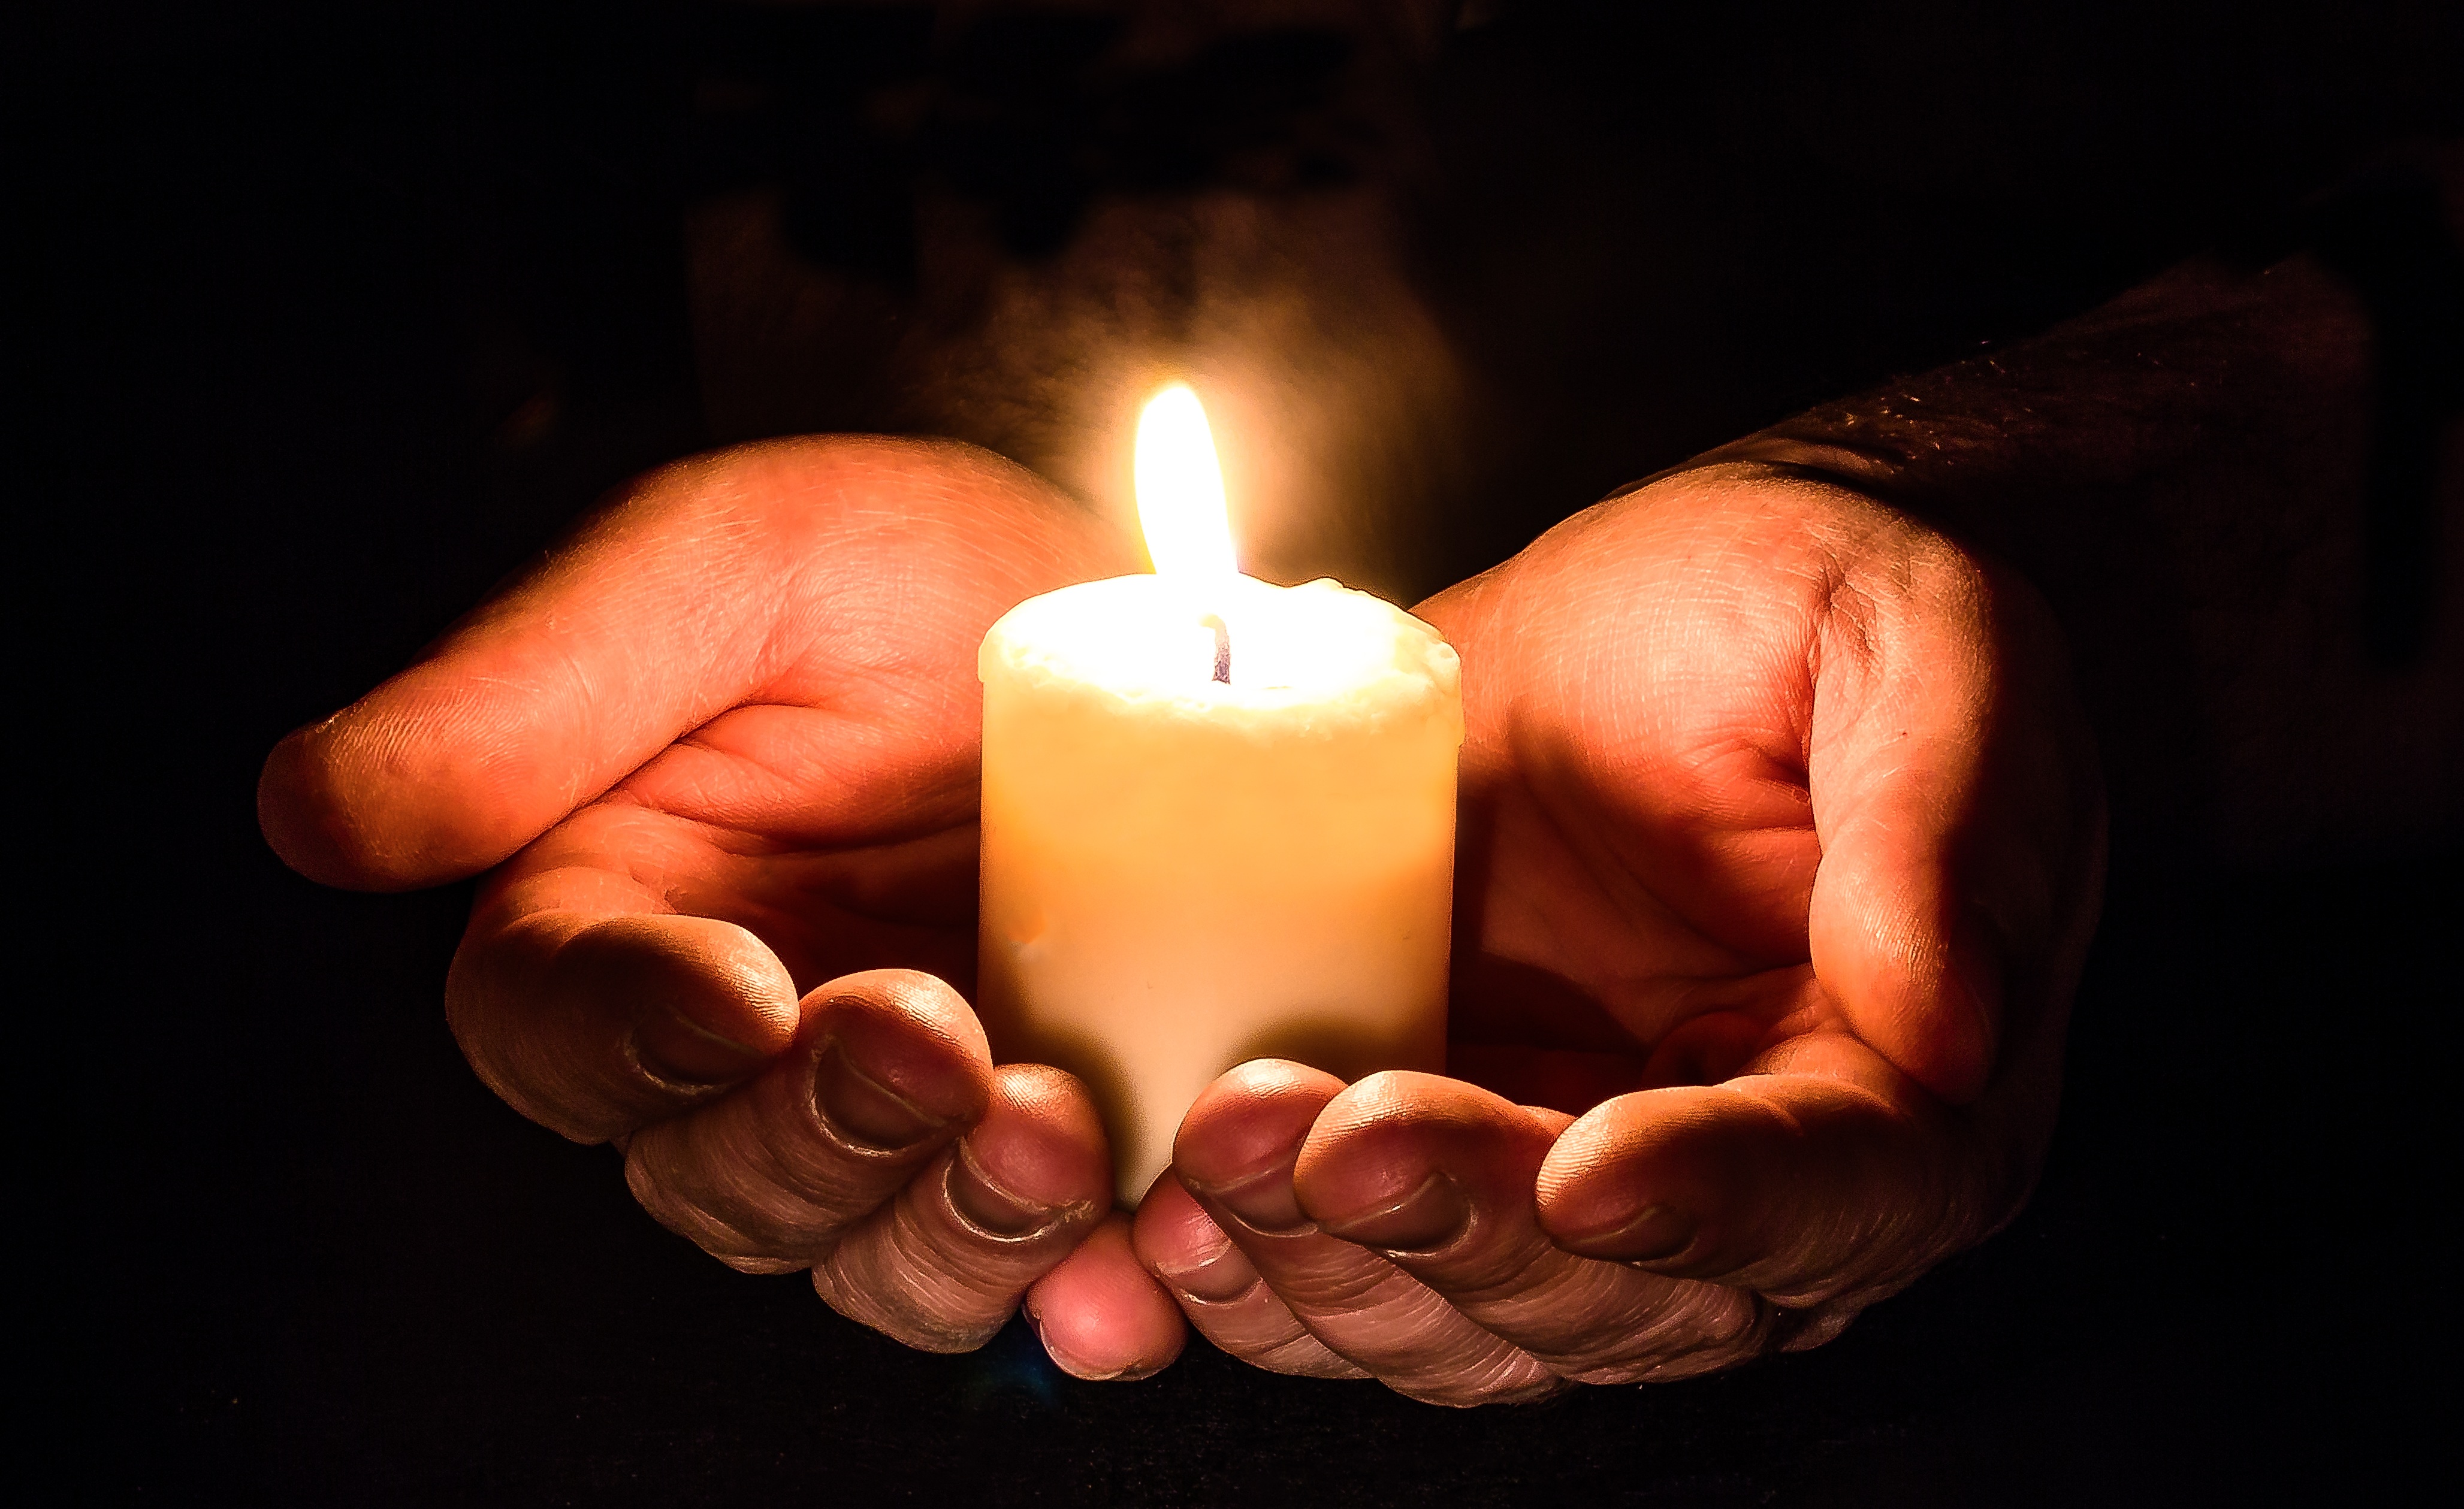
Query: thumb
[(1908, 707), (1901, 954), (794, 564)]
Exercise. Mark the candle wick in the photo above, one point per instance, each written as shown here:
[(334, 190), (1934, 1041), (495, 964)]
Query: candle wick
[(1222, 648)]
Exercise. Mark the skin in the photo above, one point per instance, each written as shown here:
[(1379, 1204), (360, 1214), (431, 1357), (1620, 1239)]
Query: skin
[(717, 756), (1781, 844)]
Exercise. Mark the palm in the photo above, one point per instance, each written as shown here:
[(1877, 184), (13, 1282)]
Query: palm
[(1639, 844), (842, 836), (719, 753), (1655, 697), (1586, 966), (830, 810)]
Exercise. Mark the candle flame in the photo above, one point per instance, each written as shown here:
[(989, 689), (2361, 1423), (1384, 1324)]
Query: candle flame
[(1180, 488)]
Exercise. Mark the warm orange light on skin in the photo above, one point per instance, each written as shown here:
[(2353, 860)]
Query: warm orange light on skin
[(1180, 490)]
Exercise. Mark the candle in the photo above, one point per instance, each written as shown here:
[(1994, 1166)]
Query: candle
[(1218, 819)]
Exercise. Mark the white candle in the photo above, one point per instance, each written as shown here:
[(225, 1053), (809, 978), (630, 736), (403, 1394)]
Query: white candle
[(1181, 872)]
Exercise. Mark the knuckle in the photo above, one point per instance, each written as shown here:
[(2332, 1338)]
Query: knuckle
[(736, 1233), (1506, 1376), (1302, 1355), (1622, 1326), (742, 1177), (903, 1312), (544, 1030), (892, 1278), (1710, 1331), (920, 1273)]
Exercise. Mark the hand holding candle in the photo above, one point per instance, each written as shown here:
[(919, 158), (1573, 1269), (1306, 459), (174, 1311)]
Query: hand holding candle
[(720, 750), (1778, 848), (1780, 841)]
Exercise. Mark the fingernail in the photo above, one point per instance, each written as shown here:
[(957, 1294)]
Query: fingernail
[(676, 1048), (1652, 1232), (866, 1111), (999, 1212), (1433, 1214), (1219, 1284), (1209, 1278), (1263, 1202), (1128, 1372)]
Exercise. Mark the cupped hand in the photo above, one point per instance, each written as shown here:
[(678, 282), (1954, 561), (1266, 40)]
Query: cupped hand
[(719, 752), (1782, 842)]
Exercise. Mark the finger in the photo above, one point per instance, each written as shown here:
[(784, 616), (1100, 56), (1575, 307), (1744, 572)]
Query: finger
[(595, 1024), (1833, 1176), (1439, 1177), (1939, 766), (711, 583), (943, 1265), (824, 910), (1236, 1151), (890, 1067), (1099, 1315), (1220, 1290)]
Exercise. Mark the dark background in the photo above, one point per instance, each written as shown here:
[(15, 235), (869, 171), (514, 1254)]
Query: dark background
[(340, 312)]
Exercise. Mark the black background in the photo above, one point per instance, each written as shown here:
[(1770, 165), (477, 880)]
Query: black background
[(348, 309)]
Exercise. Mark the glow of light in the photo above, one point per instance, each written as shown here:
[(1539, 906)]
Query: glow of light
[(1180, 489)]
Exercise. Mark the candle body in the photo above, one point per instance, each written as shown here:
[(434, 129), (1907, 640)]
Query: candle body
[(1180, 874)]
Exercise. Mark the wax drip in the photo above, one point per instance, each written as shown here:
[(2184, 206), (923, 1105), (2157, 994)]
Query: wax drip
[(1222, 648)]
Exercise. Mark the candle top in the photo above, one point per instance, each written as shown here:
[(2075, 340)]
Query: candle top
[(1319, 652)]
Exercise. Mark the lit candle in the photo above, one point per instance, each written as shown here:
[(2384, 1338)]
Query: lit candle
[(1218, 819)]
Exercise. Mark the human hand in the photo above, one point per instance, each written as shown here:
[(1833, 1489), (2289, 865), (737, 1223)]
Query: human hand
[(719, 750), (1781, 846)]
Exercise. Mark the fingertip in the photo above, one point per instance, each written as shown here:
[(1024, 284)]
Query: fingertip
[(596, 1025), (1797, 1183), (301, 811), (1173, 1235), (1393, 1093), (1379, 1143), (1253, 1117), (1939, 1026), (1915, 976), (1625, 1183), (1099, 1314), (708, 1001), (1041, 1141), (909, 1033), (394, 794)]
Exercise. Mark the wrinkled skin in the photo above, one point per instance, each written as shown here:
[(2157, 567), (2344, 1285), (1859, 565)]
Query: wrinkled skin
[(1781, 845)]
